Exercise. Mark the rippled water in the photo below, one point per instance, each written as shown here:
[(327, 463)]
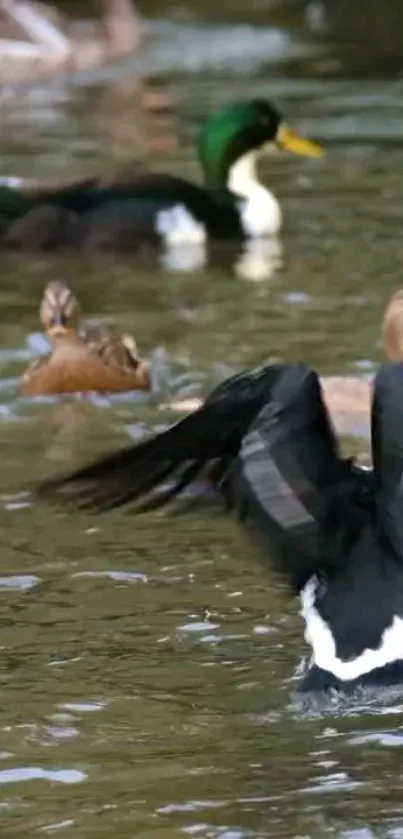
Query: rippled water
[(147, 664)]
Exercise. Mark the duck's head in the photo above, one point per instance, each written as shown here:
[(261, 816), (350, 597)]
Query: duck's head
[(244, 129), (59, 311), (392, 327)]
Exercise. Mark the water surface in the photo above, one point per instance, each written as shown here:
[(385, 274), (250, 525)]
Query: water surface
[(147, 664)]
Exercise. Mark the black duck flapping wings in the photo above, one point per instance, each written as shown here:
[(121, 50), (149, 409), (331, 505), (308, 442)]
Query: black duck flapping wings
[(264, 438), (387, 452), (212, 433)]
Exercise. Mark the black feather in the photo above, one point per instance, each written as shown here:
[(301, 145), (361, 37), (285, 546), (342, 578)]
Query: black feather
[(264, 440), (212, 433), (96, 214)]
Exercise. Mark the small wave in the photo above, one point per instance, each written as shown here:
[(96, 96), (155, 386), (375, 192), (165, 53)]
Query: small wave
[(33, 773), (19, 582), (116, 576)]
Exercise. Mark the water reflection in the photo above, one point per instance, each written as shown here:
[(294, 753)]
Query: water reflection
[(132, 118), (260, 260), (256, 260)]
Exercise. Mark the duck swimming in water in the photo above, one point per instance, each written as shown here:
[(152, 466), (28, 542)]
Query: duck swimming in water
[(265, 441), (334, 530), (161, 208), (83, 358)]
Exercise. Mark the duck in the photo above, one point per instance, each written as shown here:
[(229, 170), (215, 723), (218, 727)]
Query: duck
[(162, 209), (333, 529), (83, 357)]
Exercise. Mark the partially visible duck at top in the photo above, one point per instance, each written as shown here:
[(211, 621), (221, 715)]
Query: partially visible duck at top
[(348, 398), (158, 207), (83, 358)]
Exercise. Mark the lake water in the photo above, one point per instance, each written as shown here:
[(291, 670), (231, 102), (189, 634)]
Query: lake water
[(147, 664)]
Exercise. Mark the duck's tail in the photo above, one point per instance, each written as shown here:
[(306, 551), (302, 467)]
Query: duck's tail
[(264, 439)]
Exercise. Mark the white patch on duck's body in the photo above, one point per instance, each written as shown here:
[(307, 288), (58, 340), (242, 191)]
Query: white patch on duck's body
[(324, 652), (177, 226), (260, 211)]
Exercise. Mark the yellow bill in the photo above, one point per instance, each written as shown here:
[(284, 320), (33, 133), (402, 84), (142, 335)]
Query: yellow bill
[(289, 140)]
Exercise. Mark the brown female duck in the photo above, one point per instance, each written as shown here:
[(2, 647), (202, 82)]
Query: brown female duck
[(82, 358)]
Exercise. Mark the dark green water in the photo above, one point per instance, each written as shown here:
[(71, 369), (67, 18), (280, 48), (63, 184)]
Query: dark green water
[(147, 664)]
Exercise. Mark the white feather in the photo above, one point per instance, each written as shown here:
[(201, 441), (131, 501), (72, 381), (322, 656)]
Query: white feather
[(177, 226), (260, 211), (319, 635)]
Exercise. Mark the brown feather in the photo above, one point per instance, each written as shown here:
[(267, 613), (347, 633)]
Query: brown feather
[(77, 369)]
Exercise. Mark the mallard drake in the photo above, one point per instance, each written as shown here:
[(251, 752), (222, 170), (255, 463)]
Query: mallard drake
[(83, 358), (333, 529), (160, 208)]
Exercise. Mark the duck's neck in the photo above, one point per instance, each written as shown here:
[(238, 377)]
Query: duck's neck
[(261, 215), (60, 340), (243, 178)]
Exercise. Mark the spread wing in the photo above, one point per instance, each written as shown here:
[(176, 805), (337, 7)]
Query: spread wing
[(265, 441)]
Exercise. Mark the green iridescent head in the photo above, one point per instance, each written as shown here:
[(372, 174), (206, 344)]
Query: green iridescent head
[(243, 127)]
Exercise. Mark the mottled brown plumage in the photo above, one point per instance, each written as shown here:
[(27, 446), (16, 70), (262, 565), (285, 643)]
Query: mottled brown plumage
[(83, 358)]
